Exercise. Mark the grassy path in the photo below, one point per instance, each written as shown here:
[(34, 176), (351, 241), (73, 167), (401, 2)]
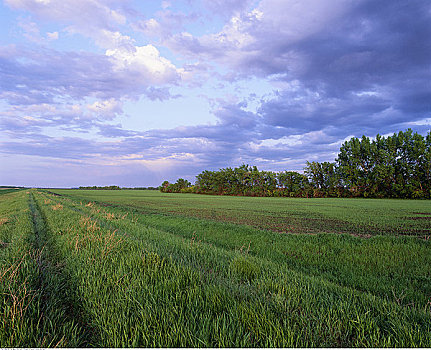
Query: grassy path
[(62, 317), (38, 303), (19, 314)]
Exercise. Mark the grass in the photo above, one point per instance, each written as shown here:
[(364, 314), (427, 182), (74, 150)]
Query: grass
[(362, 217), (34, 310), (117, 272), (391, 266), (9, 190)]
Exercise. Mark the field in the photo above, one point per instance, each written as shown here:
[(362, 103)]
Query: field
[(5, 190), (146, 269)]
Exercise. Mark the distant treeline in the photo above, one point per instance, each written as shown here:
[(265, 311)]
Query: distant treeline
[(9, 187), (397, 166), (114, 187)]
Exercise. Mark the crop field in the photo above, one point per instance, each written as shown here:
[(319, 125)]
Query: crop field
[(289, 215), (8, 190), (148, 269)]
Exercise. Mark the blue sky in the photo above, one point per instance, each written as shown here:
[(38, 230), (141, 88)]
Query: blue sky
[(101, 92)]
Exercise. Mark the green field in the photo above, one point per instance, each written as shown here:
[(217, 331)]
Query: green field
[(288, 215), (8, 190), (146, 269)]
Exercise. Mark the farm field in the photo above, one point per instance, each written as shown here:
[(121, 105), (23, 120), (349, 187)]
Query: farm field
[(5, 190), (289, 215), (146, 269)]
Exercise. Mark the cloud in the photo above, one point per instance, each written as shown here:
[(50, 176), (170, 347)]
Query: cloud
[(144, 62), (31, 32), (340, 64), (151, 27), (335, 45), (226, 8), (246, 35), (108, 109), (92, 18), (35, 171), (52, 36), (337, 69), (165, 23), (238, 137), (34, 77)]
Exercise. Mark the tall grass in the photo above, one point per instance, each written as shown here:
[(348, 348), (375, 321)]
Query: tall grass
[(19, 310), (145, 281), (32, 312)]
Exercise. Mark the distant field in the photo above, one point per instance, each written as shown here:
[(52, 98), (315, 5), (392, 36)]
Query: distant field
[(5, 190), (146, 269)]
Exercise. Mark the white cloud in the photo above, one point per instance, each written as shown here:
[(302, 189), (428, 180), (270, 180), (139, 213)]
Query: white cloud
[(144, 62), (292, 140), (107, 109), (52, 36), (91, 18), (110, 39), (150, 27)]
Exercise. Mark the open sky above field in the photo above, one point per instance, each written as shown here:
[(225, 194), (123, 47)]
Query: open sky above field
[(134, 92)]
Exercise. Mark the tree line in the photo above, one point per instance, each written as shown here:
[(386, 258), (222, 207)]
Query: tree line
[(112, 187), (397, 166), (115, 187)]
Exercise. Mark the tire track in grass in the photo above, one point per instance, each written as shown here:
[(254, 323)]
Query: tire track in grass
[(62, 316)]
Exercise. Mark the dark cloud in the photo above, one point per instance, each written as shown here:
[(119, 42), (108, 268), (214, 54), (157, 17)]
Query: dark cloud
[(114, 131), (312, 112), (365, 72), (376, 45), (370, 47)]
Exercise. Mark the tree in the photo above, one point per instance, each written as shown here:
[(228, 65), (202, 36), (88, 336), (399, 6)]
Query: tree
[(322, 176)]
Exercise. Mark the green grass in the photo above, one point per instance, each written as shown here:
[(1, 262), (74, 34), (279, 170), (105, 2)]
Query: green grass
[(34, 310), (363, 217), (396, 268), (9, 190), (17, 272), (146, 271)]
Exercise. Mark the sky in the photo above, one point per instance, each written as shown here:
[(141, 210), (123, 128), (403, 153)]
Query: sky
[(135, 92)]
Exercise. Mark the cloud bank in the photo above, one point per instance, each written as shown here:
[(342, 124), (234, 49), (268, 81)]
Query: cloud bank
[(325, 71)]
